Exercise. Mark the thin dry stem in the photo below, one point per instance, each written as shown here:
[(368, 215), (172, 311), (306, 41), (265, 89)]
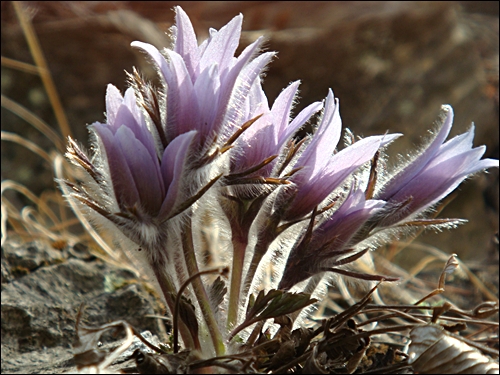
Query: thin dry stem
[(40, 62)]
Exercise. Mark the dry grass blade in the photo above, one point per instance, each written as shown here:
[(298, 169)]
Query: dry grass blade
[(35, 121), (41, 222), (115, 257), (12, 137), (19, 65), (45, 75)]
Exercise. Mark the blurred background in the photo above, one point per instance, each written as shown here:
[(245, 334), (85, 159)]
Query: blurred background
[(392, 64)]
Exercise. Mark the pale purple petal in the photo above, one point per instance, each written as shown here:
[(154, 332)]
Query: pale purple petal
[(254, 150), (233, 118), (129, 115), (257, 104), (481, 165), (318, 152), (186, 44), (437, 181), (182, 106), (114, 100), (228, 82), (154, 54), (172, 165), (207, 89), (222, 45), (282, 106), (429, 178), (315, 188), (182, 109), (123, 182), (346, 221), (350, 158), (144, 169), (329, 240), (300, 120), (412, 169), (458, 144)]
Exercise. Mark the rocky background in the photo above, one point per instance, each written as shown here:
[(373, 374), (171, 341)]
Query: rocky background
[(392, 64)]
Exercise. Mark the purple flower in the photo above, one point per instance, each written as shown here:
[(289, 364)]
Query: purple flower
[(139, 183), (161, 150), (433, 174), (206, 86), (331, 240), (322, 170), (267, 136)]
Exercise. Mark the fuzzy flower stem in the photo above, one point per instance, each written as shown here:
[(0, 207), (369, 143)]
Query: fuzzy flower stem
[(178, 300), (240, 227), (240, 242), (168, 289), (265, 238), (199, 290), (260, 250)]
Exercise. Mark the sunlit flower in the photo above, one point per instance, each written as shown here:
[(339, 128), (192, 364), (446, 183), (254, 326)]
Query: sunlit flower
[(434, 173), (267, 136), (139, 184), (206, 86), (205, 152), (331, 241), (323, 170)]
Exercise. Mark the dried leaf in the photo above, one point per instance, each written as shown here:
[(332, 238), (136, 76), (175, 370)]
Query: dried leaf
[(302, 337), (372, 180), (285, 353), (435, 351), (315, 363)]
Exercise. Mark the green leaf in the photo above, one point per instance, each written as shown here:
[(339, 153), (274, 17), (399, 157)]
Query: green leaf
[(273, 304)]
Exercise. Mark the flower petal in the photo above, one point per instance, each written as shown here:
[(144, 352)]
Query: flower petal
[(233, 116), (318, 152), (114, 100), (207, 89), (282, 106), (222, 45), (186, 44), (172, 165), (416, 165), (145, 170), (300, 120), (126, 192)]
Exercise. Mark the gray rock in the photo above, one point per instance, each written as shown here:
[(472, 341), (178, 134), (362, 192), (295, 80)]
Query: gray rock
[(39, 309)]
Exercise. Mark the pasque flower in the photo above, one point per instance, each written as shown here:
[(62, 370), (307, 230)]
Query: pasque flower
[(268, 135), (206, 85), (331, 240), (139, 183), (434, 173), (322, 170), (206, 144)]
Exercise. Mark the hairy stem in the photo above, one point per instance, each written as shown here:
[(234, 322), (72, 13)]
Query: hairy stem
[(239, 246), (169, 292), (260, 250), (199, 290), (178, 300)]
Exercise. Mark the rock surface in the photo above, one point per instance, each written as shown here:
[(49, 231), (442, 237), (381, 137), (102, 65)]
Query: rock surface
[(41, 294)]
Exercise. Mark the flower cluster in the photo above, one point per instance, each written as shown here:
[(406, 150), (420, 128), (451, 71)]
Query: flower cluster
[(206, 148)]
